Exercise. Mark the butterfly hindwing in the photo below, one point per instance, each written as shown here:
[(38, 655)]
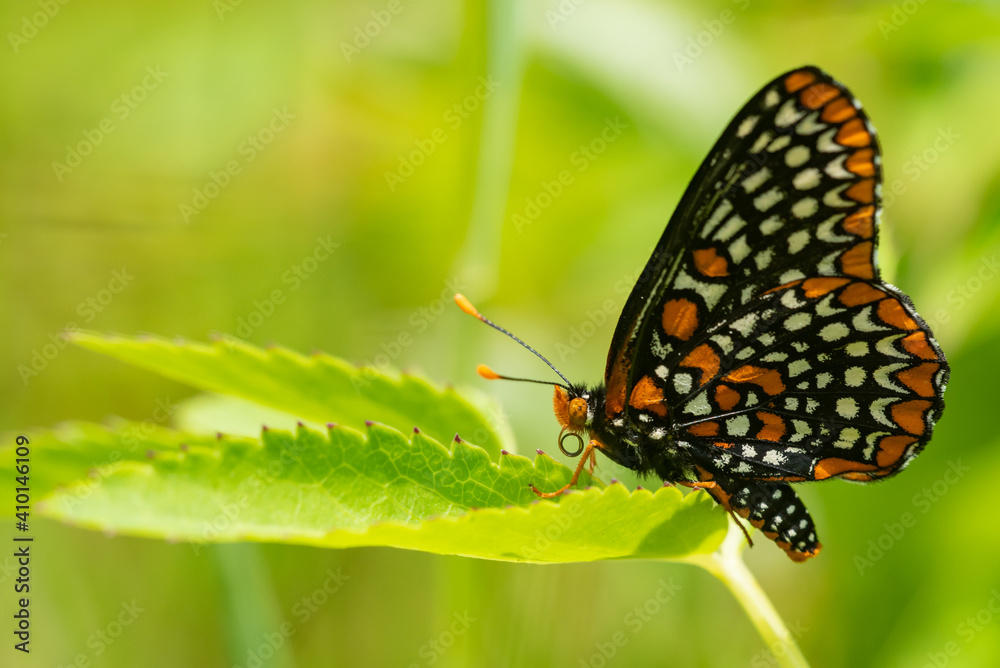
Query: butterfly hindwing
[(824, 377)]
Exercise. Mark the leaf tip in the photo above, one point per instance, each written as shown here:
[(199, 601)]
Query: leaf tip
[(369, 423), (185, 447), (265, 428), (416, 430), (614, 481), (331, 425), (539, 451), (150, 454), (458, 439), (504, 452)]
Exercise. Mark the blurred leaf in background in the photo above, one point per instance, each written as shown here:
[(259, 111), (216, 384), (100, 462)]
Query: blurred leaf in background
[(324, 175)]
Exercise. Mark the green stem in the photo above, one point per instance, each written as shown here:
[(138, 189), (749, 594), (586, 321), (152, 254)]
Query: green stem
[(727, 565), (502, 62)]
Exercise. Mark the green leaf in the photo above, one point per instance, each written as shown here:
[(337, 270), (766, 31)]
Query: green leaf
[(346, 488), (320, 388)]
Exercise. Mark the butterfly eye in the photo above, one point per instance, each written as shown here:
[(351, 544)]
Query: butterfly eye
[(578, 412), (563, 435)]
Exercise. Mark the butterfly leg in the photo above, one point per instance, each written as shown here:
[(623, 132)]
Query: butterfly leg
[(772, 507), (588, 455)]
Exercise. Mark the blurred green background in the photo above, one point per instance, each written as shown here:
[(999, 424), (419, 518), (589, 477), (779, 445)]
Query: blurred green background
[(326, 174)]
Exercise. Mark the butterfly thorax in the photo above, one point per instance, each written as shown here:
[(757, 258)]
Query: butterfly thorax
[(581, 410)]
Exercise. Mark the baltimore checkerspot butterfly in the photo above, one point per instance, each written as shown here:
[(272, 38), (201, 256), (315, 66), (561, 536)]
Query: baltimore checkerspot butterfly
[(761, 346)]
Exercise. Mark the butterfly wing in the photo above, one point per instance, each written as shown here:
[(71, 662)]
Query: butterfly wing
[(761, 291)]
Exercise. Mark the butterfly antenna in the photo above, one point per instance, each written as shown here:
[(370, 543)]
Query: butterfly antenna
[(489, 373)]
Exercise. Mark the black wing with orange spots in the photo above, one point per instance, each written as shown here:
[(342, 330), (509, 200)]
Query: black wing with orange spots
[(761, 331)]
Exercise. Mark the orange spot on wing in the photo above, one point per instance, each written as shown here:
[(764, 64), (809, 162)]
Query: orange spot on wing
[(857, 261), (838, 111), (680, 318), (646, 395), (726, 397), (782, 287), (831, 466), (817, 287), (770, 380), (863, 191), (704, 429), (910, 415), (859, 294), (798, 80), (774, 426), (854, 133), (861, 223), (917, 345), (919, 378), (614, 403), (704, 358), (818, 94), (861, 163), (891, 312), (710, 263), (891, 448)]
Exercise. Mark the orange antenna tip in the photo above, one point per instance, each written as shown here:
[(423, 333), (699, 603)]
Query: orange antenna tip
[(467, 306), (487, 373)]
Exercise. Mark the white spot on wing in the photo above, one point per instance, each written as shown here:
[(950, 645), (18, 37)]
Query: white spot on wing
[(797, 321), (806, 179), (747, 126), (809, 125), (682, 383), (847, 407), (738, 250), (826, 144), (797, 156), (798, 367), (756, 180), (835, 168), (779, 143), (854, 377), (698, 405), (732, 226), (771, 225), (768, 199), (834, 331), (798, 240), (738, 426), (788, 114)]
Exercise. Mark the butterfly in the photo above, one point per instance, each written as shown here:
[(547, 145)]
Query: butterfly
[(760, 346)]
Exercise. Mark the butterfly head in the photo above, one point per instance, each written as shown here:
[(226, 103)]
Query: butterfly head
[(573, 408)]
